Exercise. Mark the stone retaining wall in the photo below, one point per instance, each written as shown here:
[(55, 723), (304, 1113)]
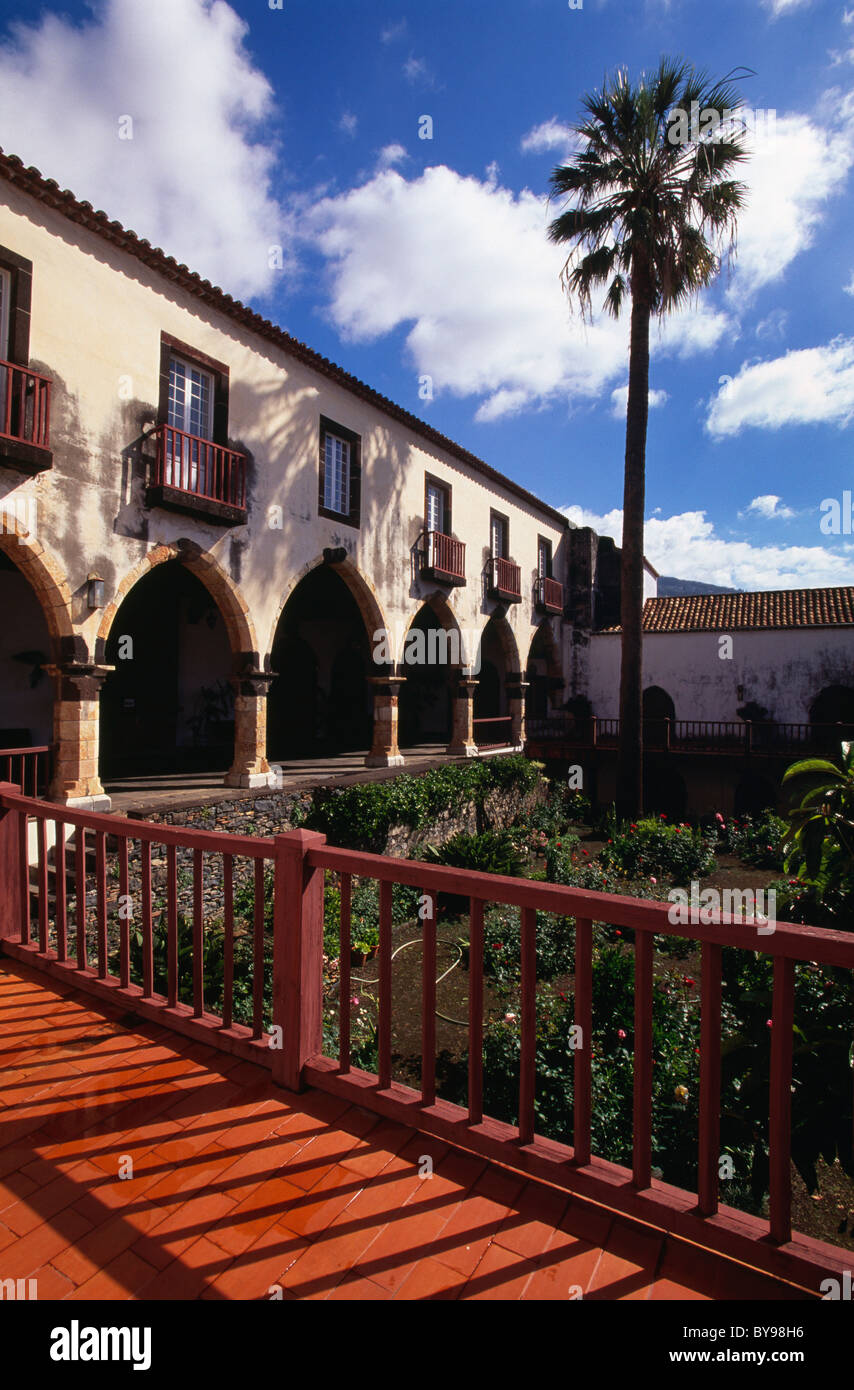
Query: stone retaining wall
[(271, 813)]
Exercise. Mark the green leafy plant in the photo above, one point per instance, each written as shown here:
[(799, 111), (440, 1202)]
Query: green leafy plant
[(756, 840), (652, 847), (491, 852), (361, 816)]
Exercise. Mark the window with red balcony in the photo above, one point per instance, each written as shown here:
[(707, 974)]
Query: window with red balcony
[(443, 558), (549, 593), (195, 470), (24, 394), (505, 578)]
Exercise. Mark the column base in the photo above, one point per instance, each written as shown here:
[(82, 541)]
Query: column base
[(385, 760), (99, 804), (462, 750), (251, 781)]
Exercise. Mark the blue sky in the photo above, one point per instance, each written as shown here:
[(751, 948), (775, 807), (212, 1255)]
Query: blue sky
[(404, 258)]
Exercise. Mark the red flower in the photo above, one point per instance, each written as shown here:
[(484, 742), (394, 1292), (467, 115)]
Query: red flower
[(689, 982)]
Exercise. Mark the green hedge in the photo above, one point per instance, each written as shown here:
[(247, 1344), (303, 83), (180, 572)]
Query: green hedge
[(361, 816)]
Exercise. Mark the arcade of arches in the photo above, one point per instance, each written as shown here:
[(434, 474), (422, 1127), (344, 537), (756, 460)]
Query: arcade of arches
[(174, 688)]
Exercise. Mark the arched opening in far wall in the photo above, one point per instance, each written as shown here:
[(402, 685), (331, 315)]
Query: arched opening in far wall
[(321, 702), (431, 661), (544, 675), (26, 648), (658, 708), (168, 706), (498, 659)]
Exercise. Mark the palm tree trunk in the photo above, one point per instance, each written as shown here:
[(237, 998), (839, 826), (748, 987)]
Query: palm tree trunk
[(630, 761)]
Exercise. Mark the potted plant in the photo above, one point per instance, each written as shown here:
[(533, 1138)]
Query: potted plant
[(366, 942)]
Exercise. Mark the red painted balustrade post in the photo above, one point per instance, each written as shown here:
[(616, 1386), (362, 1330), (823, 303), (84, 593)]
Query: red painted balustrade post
[(11, 887), (297, 956)]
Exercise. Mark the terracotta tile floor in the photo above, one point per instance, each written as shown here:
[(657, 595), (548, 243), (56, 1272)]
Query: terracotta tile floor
[(135, 1164)]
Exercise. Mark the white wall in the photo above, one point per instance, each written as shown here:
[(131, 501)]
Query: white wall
[(782, 671)]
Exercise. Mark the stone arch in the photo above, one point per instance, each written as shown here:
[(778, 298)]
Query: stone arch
[(445, 615), (47, 581), (430, 667), (543, 687), (220, 586), (507, 638), (365, 595)]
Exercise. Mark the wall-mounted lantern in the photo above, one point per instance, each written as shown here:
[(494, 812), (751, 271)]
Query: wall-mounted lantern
[(95, 594)]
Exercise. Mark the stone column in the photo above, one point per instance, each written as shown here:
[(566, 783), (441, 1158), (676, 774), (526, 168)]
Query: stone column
[(462, 743), (76, 711), (385, 751), (250, 768), (516, 687)]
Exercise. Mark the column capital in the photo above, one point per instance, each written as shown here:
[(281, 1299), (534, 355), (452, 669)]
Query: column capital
[(387, 685), (79, 680)]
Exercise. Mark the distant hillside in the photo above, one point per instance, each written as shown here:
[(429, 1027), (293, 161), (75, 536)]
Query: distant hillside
[(668, 587)]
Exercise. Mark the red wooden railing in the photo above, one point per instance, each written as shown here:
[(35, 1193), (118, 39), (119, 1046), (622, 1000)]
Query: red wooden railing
[(24, 405), (199, 467), (505, 578), (34, 928), (28, 768), (549, 595), (445, 555), (694, 735), (493, 733)]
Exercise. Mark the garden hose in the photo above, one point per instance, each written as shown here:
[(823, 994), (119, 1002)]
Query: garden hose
[(418, 941)]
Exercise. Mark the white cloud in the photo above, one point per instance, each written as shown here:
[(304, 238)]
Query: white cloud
[(805, 387), (393, 32), (687, 546), (391, 155), (416, 71), (467, 268), (773, 325), (620, 401), (768, 507), (791, 175), (780, 7), (550, 135), (348, 124), (196, 177), (849, 288)]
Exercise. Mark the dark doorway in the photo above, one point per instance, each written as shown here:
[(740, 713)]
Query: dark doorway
[(834, 706), (426, 697), (168, 706), (321, 703), (26, 690), (658, 708)]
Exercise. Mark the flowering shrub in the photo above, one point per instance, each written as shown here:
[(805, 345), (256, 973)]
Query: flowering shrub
[(756, 840), (652, 847), (502, 934), (675, 1040)]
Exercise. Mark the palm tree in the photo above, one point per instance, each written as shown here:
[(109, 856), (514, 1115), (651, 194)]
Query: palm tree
[(652, 214)]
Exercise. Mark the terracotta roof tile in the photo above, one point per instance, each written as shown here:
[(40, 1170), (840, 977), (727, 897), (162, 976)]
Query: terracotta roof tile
[(774, 609)]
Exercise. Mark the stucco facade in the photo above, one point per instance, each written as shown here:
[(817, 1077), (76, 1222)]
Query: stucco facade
[(100, 321)]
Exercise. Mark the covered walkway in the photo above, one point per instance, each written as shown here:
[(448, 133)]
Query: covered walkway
[(137, 1164)]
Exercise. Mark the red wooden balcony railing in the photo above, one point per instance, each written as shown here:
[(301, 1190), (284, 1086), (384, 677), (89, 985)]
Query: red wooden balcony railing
[(443, 555), (505, 579), (494, 733), (549, 597), (694, 735), (28, 768), (199, 468), (24, 405), (287, 962)]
